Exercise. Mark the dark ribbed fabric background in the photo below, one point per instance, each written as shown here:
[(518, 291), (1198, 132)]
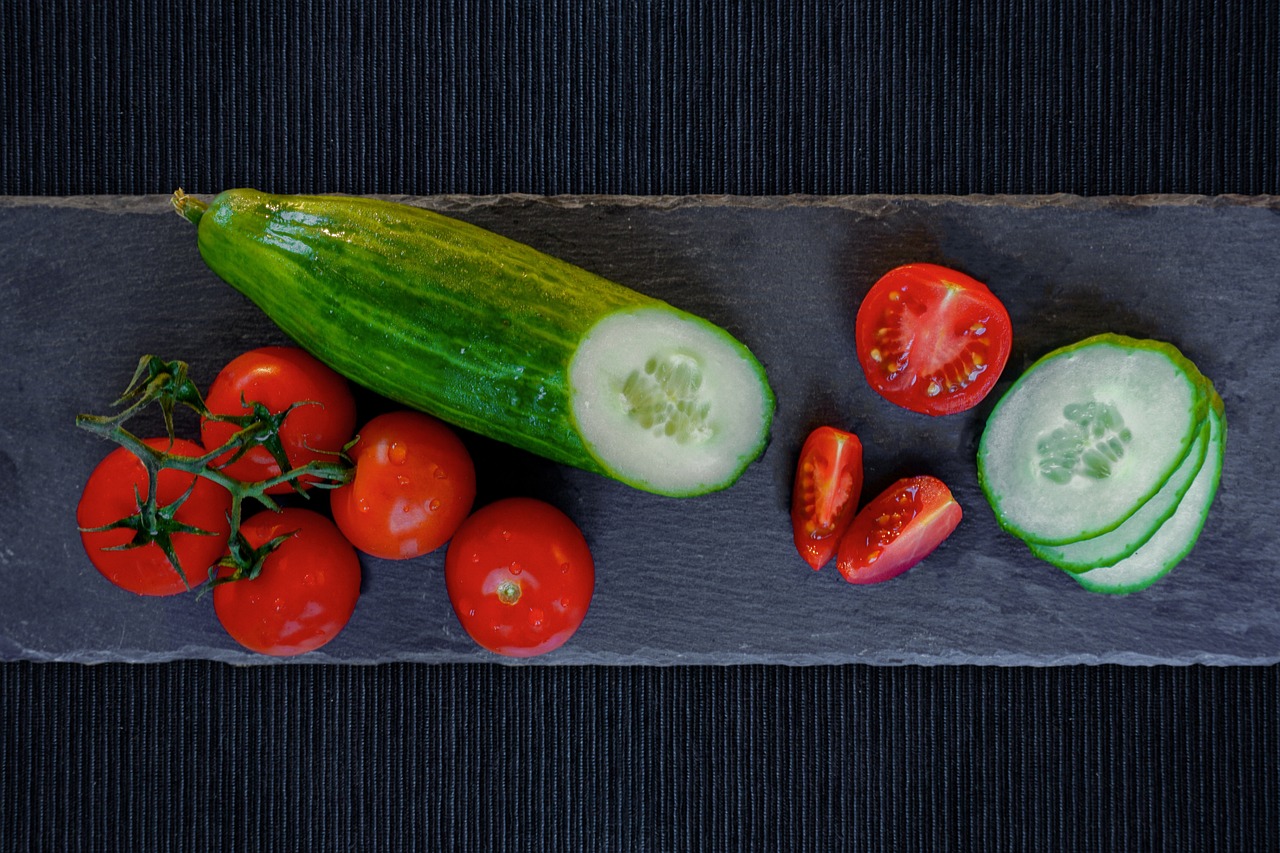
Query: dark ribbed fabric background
[(648, 97)]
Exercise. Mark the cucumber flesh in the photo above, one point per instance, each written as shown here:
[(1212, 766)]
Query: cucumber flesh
[(1109, 548), (1087, 435), (667, 402), (1175, 538)]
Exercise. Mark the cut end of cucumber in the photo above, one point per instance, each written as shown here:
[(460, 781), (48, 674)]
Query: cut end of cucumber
[(668, 402)]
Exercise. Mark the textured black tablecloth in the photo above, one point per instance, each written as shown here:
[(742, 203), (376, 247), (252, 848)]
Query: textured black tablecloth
[(1010, 96)]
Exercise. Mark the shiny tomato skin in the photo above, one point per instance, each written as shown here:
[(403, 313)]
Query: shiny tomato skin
[(520, 577), (279, 377), (931, 339), (898, 529), (108, 496), (827, 489), (414, 484), (307, 589)]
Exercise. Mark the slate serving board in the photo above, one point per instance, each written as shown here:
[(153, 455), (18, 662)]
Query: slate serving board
[(91, 284)]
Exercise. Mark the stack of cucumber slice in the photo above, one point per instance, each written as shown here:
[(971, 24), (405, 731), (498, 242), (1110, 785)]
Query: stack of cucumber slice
[(1104, 457)]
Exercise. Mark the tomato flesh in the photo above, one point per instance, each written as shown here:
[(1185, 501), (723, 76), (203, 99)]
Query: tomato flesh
[(279, 377), (109, 495), (898, 529), (414, 484), (931, 339), (828, 485), (520, 577), (307, 589)]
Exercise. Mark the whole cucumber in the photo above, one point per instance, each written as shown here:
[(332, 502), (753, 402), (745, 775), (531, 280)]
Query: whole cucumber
[(494, 336)]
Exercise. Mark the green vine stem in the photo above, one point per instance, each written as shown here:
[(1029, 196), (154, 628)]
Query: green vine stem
[(167, 385)]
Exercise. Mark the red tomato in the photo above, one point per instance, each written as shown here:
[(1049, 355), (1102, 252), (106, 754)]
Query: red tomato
[(931, 339), (828, 486), (902, 526), (414, 484), (305, 593), (278, 377), (520, 577), (109, 496)]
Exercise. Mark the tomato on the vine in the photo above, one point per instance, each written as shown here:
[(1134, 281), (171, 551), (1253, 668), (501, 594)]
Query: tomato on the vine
[(414, 483), (827, 488), (113, 492), (931, 339), (305, 593), (898, 529), (520, 577), (279, 377)]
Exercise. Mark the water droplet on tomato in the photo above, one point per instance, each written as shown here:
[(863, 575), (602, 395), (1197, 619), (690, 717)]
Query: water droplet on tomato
[(506, 535), (440, 474), (402, 479), (516, 568), (433, 505), (309, 579), (536, 618), (564, 568), (397, 453), (279, 605)]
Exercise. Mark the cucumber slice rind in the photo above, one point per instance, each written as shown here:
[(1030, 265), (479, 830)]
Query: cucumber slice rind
[(1116, 383)]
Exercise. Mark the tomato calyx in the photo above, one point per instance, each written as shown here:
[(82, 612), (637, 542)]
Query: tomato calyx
[(166, 385), (155, 524)]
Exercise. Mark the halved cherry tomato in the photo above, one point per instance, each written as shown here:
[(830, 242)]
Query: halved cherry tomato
[(109, 495), (898, 529), (520, 577), (414, 484), (827, 489), (931, 339), (306, 592), (278, 377)]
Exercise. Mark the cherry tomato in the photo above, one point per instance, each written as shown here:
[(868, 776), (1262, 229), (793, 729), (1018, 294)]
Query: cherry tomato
[(278, 377), (898, 529), (932, 340), (520, 577), (414, 484), (827, 489), (307, 589), (109, 495)]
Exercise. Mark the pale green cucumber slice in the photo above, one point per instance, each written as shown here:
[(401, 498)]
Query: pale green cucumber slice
[(668, 403), (1087, 435), (1176, 537), (1109, 548)]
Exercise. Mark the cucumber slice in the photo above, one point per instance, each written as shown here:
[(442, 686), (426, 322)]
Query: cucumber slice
[(1109, 548), (1176, 537), (1087, 435), (667, 402)]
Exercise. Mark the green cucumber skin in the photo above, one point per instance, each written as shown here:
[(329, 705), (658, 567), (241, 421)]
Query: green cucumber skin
[(426, 310)]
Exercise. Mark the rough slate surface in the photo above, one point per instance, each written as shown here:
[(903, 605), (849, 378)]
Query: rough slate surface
[(92, 284)]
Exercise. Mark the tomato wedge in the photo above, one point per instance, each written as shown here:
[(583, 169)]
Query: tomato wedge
[(931, 339), (898, 529), (827, 489)]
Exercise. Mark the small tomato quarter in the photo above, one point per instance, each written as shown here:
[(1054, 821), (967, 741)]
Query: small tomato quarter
[(931, 339), (279, 377), (520, 577), (827, 488), (112, 492), (898, 529), (305, 593), (414, 484)]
